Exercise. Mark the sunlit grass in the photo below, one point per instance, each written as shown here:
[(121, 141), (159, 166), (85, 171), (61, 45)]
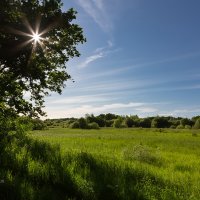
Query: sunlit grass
[(169, 156), (102, 164)]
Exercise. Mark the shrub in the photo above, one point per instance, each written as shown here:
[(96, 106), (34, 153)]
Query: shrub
[(123, 125), (74, 125), (117, 123), (172, 126), (160, 122), (197, 124), (82, 123), (143, 154), (38, 124), (129, 122), (145, 123), (22, 125), (180, 127), (93, 125), (109, 123), (187, 127)]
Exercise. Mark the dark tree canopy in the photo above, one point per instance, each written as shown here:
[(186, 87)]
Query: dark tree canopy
[(35, 67)]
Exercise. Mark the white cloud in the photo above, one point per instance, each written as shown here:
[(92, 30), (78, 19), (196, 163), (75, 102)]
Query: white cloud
[(96, 10), (99, 52), (72, 100), (90, 59), (117, 108), (118, 85), (146, 109), (145, 64)]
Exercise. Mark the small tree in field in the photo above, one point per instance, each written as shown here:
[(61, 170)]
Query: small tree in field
[(118, 122), (197, 124), (83, 123), (129, 122), (37, 38)]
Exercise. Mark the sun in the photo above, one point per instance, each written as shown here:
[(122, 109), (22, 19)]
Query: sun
[(36, 37)]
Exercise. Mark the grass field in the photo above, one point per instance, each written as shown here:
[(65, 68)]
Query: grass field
[(109, 164)]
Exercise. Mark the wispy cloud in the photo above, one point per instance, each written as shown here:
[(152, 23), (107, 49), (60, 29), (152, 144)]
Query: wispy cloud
[(96, 10), (90, 59), (168, 60), (99, 53), (82, 99), (119, 85), (121, 69), (146, 109)]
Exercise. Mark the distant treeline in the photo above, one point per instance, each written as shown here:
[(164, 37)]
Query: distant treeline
[(111, 120)]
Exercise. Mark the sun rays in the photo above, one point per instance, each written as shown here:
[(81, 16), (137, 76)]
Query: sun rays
[(36, 37), (33, 34)]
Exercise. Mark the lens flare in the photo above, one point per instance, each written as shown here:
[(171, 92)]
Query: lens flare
[(36, 37)]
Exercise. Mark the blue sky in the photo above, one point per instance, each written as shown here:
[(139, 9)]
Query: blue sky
[(141, 57)]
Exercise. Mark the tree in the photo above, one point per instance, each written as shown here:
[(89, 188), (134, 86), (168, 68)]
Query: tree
[(186, 121), (145, 122), (37, 38), (82, 123), (160, 122), (118, 122), (197, 124), (129, 122)]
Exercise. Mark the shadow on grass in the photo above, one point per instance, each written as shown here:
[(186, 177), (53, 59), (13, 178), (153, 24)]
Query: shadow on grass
[(31, 169)]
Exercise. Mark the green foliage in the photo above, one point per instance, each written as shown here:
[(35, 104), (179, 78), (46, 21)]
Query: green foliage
[(145, 122), (160, 122), (107, 120), (74, 125), (126, 163), (129, 122), (93, 125), (188, 127), (180, 127), (22, 125), (100, 164), (38, 124), (7, 118), (109, 123), (28, 66), (143, 154), (154, 123), (83, 123), (197, 124), (172, 126), (118, 123)]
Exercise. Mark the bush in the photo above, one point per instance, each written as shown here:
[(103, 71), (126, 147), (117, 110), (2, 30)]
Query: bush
[(117, 123), (74, 125), (160, 122), (180, 127), (129, 122), (93, 125), (143, 154), (23, 124), (197, 124), (82, 123), (109, 123), (38, 124), (123, 125), (172, 126), (187, 127)]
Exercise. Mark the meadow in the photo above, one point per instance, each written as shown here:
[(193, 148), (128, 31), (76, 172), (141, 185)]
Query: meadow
[(62, 163)]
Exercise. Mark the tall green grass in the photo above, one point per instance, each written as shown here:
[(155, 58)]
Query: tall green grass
[(101, 164)]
